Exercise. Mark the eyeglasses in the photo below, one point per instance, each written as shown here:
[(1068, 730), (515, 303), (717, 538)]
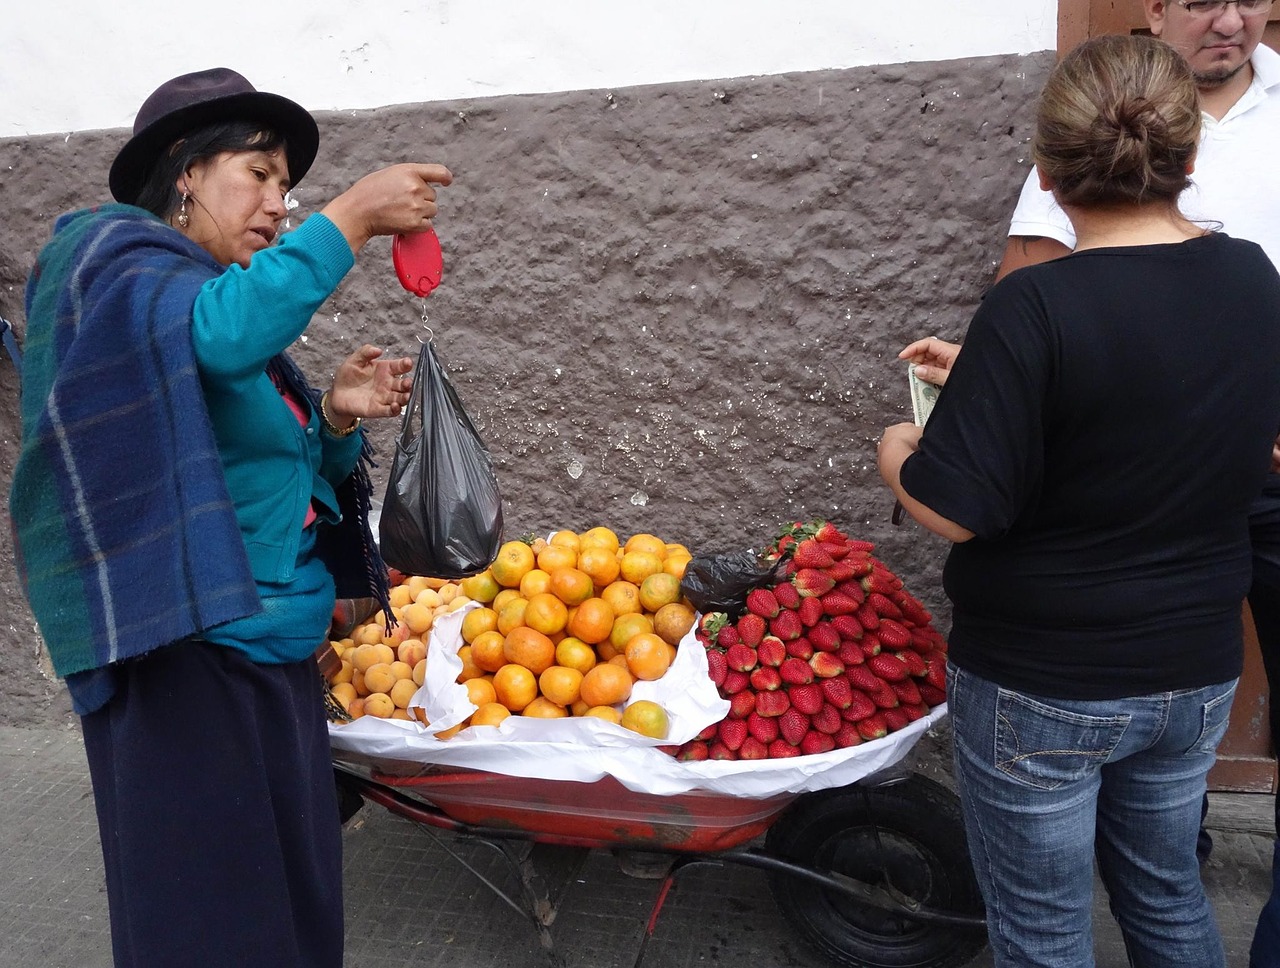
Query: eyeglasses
[(1211, 8)]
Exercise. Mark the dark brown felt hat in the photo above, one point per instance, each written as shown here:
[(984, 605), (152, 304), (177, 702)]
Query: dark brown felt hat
[(193, 100)]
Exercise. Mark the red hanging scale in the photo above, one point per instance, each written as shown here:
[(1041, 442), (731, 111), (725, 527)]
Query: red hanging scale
[(419, 264)]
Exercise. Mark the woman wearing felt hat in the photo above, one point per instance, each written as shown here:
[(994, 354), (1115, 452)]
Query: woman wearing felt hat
[(185, 503)]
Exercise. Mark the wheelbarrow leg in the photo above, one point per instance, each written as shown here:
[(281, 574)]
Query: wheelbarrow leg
[(664, 891)]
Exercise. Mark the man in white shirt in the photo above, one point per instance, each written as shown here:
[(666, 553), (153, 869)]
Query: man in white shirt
[(1235, 189)]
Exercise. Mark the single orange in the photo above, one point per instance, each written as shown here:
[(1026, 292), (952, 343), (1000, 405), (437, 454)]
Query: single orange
[(476, 621), (647, 543), (592, 621), (490, 714), (529, 648), (598, 537), (626, 626), (569, 539), (512, 615), (673, 622), (571, 585), (646, 718), (543, 708), (648, 656), (676, 548), (545, 613), (534, 583), (575, 654), (515, 559), (482, 587), (636, 566), (624, 596), (515, 686), (600, 563), (505, 598), (557, 556), (608, 713), (560, 684), (469, 668), (659, 589), (676, 565), (488, 651), (606, 650), (481, 691), (606, 684)]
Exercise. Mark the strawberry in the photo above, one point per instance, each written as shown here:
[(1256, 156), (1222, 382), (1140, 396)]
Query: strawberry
[(772, 703), (792, 725), (809, 553), (870, 644), (936, 673), (862, 547), (861, 677), (931, 695), (853, 590), (838, 692), (836, 549), (800, 648), (921, 639), (718, 751), (873, 727), (732, 733), (841, 571), (824, 637), (811, 611), (816, 742), (895, 718), (753, 749), (728, 637), (786, 595), (829, 532), (893, 634), (846, 736), (825, 665), (786, 626), (795, 671), (863, 564), (884, 605), (780, 749), (734, 682), (907, 692), (761, 601), (708, 732), (880, 581), (912, 610), (848, 626), (742, 704), (916, 666), (811, 583), (741, 658), (773, 650), (711, 623), (888, 667), (692, 751), (860, 707), (867, 617), (835, 603), (762, 728), (827, 719), (851, 654), (884, 697), (751, 629), (914, 711), (765, 679), (806, 699), (717, 666)]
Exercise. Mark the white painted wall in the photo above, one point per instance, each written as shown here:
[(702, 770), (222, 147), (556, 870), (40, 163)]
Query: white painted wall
[(73, 65)]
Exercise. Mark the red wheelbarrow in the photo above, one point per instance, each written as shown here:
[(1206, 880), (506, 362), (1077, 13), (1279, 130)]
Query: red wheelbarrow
[(871, 875)]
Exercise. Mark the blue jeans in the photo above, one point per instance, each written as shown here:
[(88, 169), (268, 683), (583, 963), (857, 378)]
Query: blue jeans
[(1046, 783)]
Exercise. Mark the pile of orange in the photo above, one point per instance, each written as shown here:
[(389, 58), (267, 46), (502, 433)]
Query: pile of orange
[(568, 625), (381, 670)]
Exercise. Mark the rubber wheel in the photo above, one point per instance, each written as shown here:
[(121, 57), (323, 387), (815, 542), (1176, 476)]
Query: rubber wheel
[(909, 834)]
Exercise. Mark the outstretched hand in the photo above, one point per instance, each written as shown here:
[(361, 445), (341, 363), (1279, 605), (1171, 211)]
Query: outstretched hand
[(368, 386), (932, 357)]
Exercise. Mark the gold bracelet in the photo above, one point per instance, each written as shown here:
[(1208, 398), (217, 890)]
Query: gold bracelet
[(328, 424)]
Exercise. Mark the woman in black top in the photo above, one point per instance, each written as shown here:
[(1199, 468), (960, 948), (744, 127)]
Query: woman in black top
[(1093, 458)]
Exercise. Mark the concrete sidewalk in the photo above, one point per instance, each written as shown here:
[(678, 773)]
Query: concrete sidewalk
[(409, 903)]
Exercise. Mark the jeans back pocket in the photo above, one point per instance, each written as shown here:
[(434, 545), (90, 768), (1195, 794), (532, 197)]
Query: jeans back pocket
[(1045, 747)]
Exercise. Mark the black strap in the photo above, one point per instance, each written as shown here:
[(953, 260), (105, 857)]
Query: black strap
[(11, 344)]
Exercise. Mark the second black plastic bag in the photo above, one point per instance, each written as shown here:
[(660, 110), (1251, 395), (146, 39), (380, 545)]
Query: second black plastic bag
[(442, 515)]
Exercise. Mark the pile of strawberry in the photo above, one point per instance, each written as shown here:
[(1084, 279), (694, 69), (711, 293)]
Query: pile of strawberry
[(835, 654)]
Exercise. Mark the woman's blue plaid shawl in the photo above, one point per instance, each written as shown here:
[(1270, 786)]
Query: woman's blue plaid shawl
[(127, 538)]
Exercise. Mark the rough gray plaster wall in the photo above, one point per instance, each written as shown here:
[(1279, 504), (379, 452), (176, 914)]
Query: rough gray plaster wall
[(672, 308)]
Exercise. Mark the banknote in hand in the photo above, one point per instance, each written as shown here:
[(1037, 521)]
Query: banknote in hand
[(923, 396)]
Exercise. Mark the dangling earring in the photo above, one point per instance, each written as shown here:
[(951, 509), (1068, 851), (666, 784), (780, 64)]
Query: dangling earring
[(183, 218)]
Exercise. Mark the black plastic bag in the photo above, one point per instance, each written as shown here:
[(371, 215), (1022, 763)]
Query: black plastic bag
[(719, 583), (442, 516)]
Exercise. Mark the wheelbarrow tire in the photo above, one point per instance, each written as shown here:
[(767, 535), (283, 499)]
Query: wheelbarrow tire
[(910, 833)]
